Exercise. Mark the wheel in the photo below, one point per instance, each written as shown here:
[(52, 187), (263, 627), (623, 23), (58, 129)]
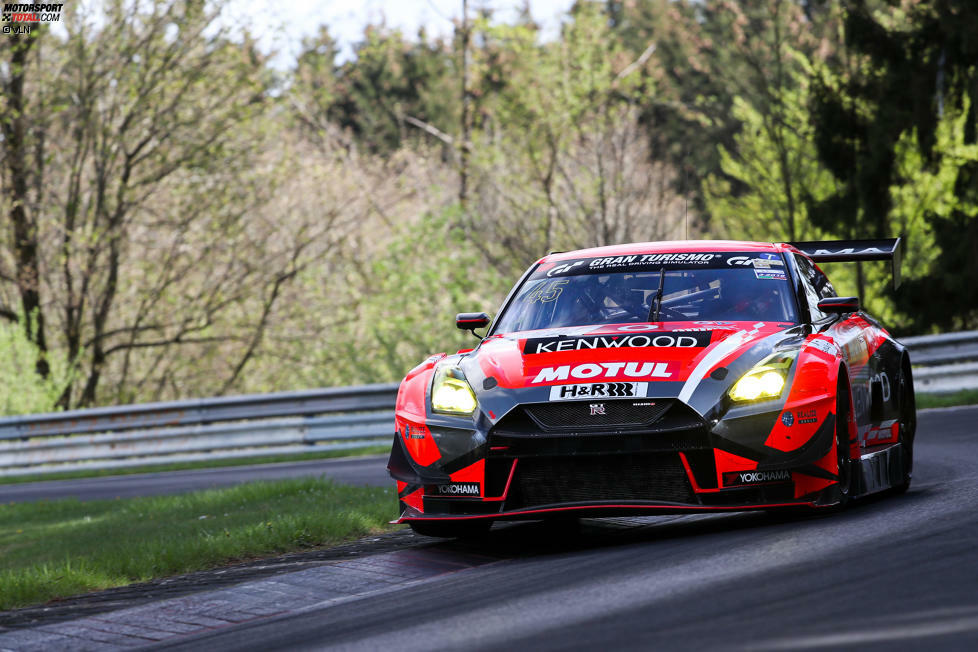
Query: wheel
[(908, 428), (452, 529), (842, 457)]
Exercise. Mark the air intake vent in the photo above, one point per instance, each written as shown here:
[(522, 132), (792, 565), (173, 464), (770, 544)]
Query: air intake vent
[(591, 415), (659, 477)]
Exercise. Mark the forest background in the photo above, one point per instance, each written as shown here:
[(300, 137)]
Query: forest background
[(182, 218)]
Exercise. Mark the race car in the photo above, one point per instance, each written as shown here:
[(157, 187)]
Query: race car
[(652, 378)]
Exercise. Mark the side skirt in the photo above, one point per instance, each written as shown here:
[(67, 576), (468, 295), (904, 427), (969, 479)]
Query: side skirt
[(879, 470)]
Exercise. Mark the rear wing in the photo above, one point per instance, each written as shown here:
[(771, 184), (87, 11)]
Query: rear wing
[(847, 251)]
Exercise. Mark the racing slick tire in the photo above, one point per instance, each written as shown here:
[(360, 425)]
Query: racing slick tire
[(908, 428), (452, 529)]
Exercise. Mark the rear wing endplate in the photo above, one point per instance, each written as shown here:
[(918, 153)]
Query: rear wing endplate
[(847, 251)]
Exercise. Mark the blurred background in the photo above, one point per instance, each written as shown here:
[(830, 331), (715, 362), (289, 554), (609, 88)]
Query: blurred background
[(205, 197)]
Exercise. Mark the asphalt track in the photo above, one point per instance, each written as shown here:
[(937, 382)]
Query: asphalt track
[(366, 470), (895, 573)]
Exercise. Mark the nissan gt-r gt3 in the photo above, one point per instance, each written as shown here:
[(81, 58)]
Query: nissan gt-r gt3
[(659, 377)]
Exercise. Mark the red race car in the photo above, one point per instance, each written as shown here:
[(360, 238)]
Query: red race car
[(659, 377)]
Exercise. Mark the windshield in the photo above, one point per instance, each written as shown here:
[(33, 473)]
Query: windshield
[(731, 286)]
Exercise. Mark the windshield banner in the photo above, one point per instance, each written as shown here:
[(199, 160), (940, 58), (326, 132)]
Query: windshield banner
[(654, 262)]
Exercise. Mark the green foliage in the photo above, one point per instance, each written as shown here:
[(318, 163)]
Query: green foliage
[(883, 117), (775, 161), (22, 389), (937, 206), (708, 54), (561, 161), (391, 78), (205, 231), (55, 549), (402, 304)]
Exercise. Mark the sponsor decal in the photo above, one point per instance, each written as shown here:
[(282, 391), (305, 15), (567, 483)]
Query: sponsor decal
[(566, 268), (807, 416), (856, 349), (413, 433), (770, 274), (597, 409), (458, 489), (787, 419), (886, 430), (821, 345), (546, 292), (762, 261), (735, 478), (594, 390), (555, 344), (633, 262), (849, 250), (657, 370), (884, 382)]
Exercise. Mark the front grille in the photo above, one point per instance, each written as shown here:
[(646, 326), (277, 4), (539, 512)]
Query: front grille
[(629, 413), (546, 481)]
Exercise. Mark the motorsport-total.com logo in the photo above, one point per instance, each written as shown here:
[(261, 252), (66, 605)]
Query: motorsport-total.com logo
[(19, 17)]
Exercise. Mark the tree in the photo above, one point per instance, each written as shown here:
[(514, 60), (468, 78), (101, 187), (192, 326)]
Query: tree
[(390, 80), (937, 204), (904, 70), (776, 163), (709, 53), (558, 156), (152, 221), (21, 175)]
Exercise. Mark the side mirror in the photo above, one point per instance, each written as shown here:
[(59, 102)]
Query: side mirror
[(469, 321), (839, 305)]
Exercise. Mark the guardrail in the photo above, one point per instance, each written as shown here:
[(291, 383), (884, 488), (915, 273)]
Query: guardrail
[(289, 423), (944, 363), (203, 429)]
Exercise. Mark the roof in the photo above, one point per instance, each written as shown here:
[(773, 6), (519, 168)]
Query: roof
[(664, 247)]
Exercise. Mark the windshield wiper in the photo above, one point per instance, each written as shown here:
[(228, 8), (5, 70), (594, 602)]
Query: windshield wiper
[(657, 299)]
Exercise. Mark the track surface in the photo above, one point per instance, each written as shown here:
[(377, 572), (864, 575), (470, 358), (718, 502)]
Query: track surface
[(890, 573), (368, 470)]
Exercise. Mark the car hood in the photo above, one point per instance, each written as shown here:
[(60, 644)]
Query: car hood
[(673, 358)]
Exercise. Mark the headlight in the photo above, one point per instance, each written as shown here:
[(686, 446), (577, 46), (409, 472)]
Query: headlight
[(451, 393), (765, 381)]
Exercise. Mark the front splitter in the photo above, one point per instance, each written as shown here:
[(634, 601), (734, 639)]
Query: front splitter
[(598, 510)]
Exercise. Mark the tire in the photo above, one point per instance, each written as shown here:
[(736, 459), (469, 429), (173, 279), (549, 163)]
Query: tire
[(452, 529), (842, 457), (908, 429)]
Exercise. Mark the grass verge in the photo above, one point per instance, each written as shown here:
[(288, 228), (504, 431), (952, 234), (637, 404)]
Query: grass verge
[(56, 549), (203, 464), (964, 397)]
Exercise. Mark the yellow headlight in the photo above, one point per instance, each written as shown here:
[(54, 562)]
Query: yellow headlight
[(760, 382), (451, 393), (766, 380)]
